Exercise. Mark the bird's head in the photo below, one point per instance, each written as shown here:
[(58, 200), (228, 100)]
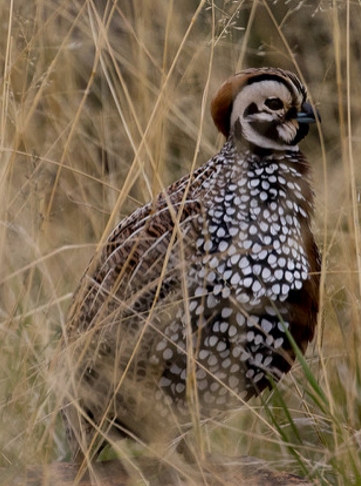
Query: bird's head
[(267, 107)]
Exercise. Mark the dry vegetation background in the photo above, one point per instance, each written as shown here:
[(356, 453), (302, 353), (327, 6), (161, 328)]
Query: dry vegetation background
[(103, 103)]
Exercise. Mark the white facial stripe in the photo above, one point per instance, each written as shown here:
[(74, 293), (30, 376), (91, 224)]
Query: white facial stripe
[(261, 117), (288, 130)]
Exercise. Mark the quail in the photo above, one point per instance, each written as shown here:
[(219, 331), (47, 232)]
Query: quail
[(190, 305)]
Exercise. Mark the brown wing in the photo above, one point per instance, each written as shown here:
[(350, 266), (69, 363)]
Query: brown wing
[(110, 337), (140, 260)]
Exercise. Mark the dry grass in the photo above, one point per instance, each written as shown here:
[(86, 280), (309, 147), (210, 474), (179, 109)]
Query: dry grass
[(104, 103)]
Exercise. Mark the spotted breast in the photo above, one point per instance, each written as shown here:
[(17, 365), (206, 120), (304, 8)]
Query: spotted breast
[(189, 307)]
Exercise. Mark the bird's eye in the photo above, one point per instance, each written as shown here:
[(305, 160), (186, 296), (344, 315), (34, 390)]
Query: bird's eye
[(274, 104)]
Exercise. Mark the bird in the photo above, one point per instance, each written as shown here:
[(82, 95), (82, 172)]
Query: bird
[(198, 299)]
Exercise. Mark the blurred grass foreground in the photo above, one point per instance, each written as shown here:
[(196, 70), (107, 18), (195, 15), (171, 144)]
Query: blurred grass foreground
[(103, 103)]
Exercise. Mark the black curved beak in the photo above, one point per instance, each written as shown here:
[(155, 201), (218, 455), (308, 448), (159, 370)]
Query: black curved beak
[(307, 115)]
